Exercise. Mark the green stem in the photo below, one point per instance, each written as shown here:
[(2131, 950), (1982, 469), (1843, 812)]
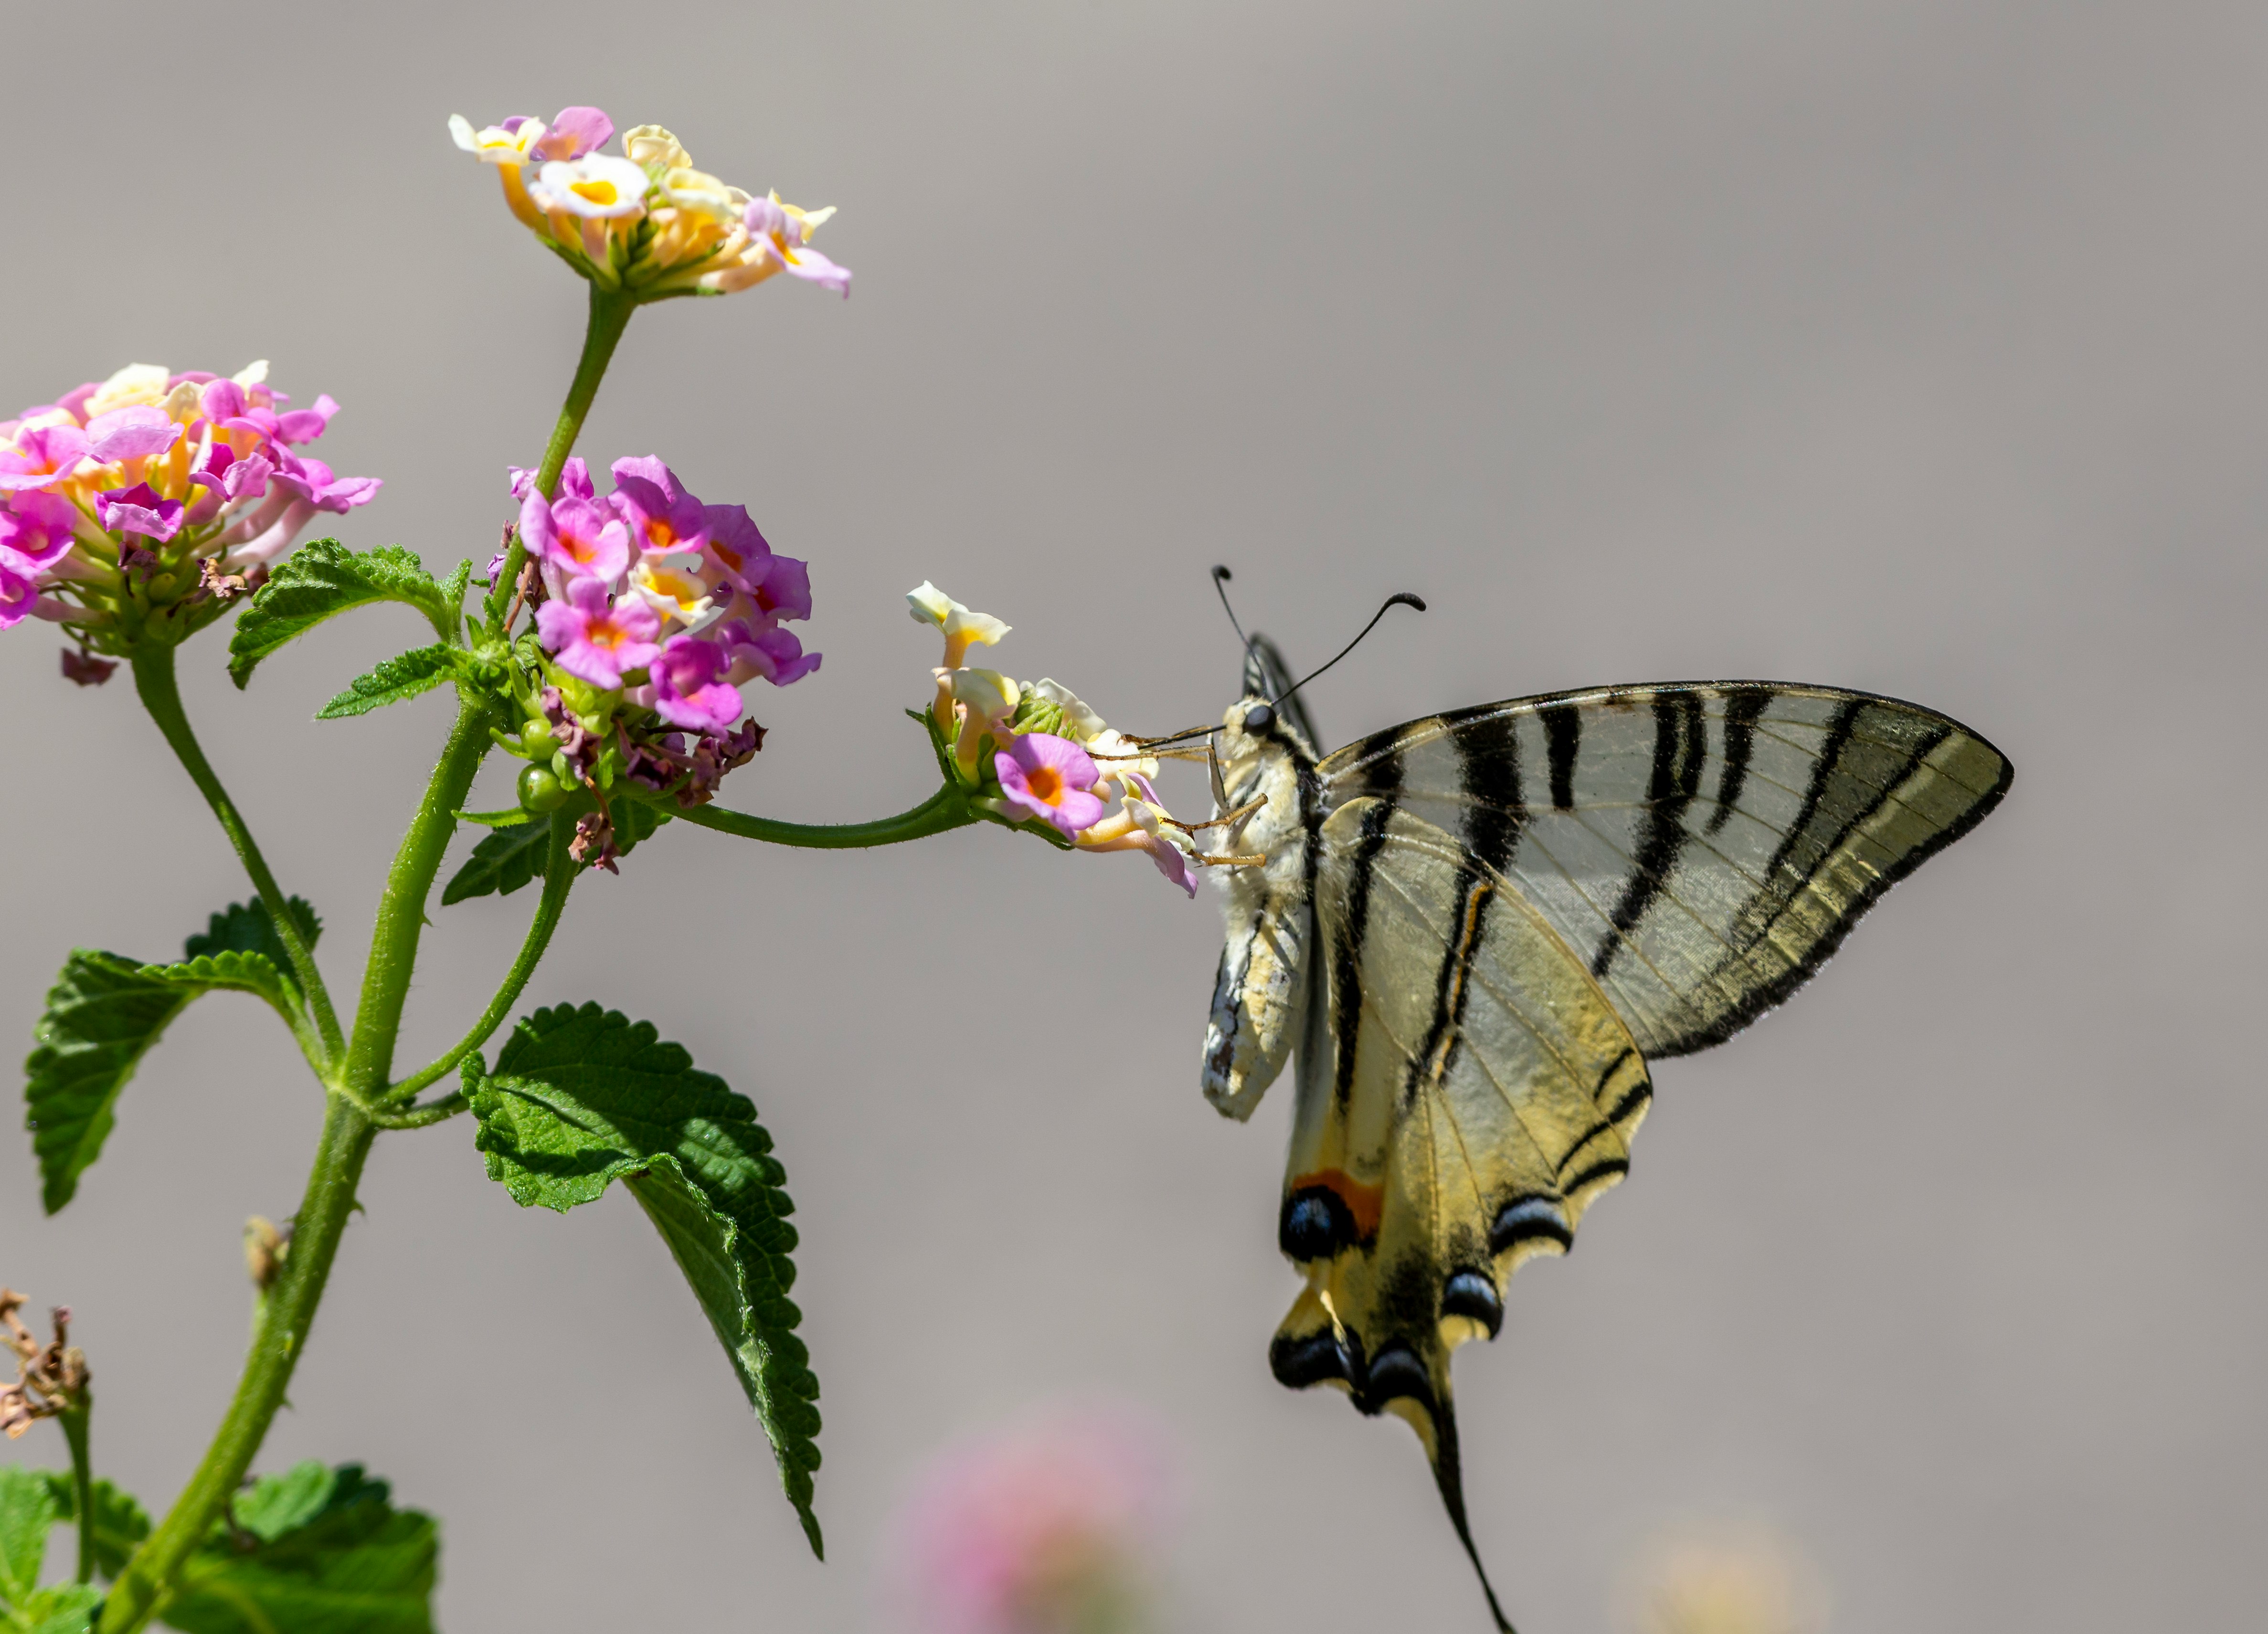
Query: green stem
[(947, 808), (402, 908), (559, 871), (288, 1311), (419, 1117), (74, 1424), (610, 315), (161, 695)]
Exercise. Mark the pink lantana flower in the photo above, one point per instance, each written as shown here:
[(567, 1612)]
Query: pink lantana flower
[(1051, 778), (662, 518), (42, 456), (765, 654), (138, 510), (687, 688), (1053, 1527), (580, 537), (594, 638)]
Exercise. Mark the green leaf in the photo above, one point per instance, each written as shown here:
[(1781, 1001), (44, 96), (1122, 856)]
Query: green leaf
[(313, 1550), (582, 1098), (103, 1014), (323, 579), (28, 1509), (395, 680), (452, 594), (105, 1011), (120, 1523), (502, 862), (247, 928), (508, 817), (66, 1608)]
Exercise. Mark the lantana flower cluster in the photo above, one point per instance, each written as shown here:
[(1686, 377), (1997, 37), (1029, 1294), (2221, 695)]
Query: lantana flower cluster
[(645, 221), (1055, 1526), (652, 610), (155, 496), (1031, 751)]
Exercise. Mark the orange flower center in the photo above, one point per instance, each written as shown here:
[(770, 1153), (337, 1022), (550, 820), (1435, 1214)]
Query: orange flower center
[(1046, 784)]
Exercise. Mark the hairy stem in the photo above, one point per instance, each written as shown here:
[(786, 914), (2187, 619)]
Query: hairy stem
[(947, 808), (559, 871), (74, 1424), (153, 679), (402, 908), (610, 315), (289, 1311), (285, 1316)]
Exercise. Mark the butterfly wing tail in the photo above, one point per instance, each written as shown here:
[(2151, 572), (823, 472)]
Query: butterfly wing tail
[(1408, 1377), (1440, 1441)]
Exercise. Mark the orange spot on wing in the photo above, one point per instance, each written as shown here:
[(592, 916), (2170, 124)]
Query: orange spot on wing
[(1364, 1203)]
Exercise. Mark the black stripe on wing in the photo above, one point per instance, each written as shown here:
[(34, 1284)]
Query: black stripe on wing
[(1785, 882), (1742, 711), (1489, 769), (1346, 958), (1680, 746)]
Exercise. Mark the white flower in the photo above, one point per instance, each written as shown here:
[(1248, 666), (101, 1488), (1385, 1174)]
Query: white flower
[(496, 145), (596, 186)]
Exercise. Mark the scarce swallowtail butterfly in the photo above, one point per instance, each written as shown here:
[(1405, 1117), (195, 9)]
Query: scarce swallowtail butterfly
[(1474, 931)]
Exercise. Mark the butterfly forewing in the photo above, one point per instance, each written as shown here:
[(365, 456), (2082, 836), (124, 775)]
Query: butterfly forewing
[(1700, 847)]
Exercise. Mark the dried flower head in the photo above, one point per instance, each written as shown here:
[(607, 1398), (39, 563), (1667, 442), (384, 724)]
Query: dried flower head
[(50, 1378)]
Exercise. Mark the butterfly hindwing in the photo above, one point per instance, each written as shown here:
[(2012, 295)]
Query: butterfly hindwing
[(1702, 846), (1464, 1091)]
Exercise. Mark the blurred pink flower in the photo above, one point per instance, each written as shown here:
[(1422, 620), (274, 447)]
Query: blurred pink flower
[(1050, 1527)]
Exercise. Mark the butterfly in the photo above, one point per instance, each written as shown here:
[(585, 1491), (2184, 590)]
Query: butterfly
[(1474, 931)]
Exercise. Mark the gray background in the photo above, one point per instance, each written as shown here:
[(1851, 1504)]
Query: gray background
[(1910, 347)]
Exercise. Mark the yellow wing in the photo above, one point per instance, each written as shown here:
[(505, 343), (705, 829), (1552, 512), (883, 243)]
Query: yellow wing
[(1465, 1090)]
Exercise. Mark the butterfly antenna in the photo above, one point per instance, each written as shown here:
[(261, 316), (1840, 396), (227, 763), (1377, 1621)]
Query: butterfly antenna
[(1400, 599), (1220, 578)]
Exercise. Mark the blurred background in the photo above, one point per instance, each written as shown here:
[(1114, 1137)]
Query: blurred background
[(1916, 347)]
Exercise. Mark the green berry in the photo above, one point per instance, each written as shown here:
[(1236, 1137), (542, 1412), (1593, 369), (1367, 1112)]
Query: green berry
[(539, 789)]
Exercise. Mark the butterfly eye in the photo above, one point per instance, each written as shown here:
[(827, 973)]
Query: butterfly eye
[(1259, 718)]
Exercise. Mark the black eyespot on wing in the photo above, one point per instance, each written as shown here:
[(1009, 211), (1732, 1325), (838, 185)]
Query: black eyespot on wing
[(1526, 1220), (1473, 1294), (1315, 1225), (1312, 1358), (1396, 1372), (1258, 719)]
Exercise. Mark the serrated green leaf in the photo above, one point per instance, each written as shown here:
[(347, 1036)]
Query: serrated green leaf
[(582, 1098), (105, 1011), (66, 1608), (321, 579), (313, 1550), (103, 1014), (452, 595), (246, 927), (504, 861), (396, 680), (28, 1509), (120, 1523)]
